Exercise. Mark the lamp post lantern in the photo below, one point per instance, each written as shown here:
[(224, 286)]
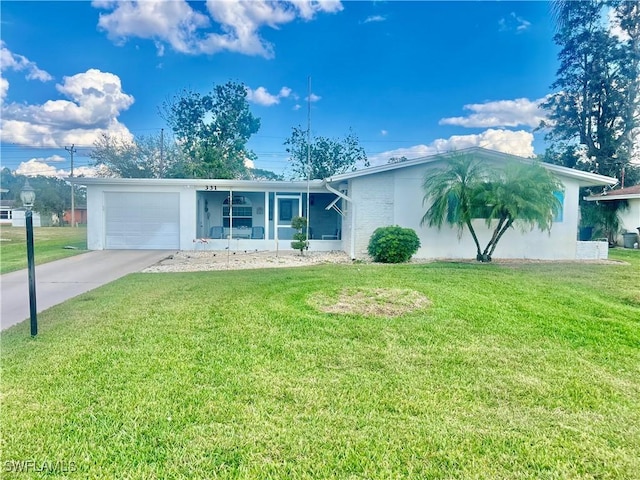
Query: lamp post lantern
[(28, 196)]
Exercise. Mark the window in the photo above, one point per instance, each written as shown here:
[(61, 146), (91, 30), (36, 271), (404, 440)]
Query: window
[(5, 214), (559, 216), (240, 210), (286, 210)]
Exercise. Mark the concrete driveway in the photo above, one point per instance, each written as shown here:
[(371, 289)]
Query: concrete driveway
[(64, 279)]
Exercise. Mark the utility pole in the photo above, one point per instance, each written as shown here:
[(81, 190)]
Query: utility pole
[(71, 151), (308, 157), (161, 173)]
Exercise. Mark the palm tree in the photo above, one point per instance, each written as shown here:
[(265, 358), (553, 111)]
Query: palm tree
[(452, 192), (525, 194), (520, 194)]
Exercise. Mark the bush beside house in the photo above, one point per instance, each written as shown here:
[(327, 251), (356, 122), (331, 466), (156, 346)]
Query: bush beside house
[(393, 244)]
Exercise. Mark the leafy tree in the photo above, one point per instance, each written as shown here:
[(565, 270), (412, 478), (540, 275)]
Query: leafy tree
[(519, 194), (593, 117), (152, 156), (213, 130), (260, 174), (523, 193), (452, 192), (397, 159), (327, 156)]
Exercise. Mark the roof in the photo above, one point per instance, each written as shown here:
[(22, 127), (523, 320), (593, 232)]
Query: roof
[(585, 179), (620, 194), (204, 184), (7, 203)]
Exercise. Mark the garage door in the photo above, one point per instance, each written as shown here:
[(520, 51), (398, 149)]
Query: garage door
[(142, 221)]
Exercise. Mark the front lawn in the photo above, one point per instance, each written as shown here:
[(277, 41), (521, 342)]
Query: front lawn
[(512, 372), (48, 245)]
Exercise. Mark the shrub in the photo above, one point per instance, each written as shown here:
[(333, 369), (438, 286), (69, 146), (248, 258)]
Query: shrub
[(393, 244), (300, 237)]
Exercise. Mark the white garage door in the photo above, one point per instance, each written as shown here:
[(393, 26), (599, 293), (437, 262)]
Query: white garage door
[(142, 221)]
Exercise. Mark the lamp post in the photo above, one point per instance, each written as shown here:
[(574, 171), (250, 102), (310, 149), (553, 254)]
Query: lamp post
[(28, 196)]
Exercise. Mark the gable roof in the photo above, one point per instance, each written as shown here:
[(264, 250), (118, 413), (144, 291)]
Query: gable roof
[(620, 194), (584, 178)]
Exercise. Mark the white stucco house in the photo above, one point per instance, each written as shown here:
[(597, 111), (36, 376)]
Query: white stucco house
[(343, 212), (6, 211), (630, 217)]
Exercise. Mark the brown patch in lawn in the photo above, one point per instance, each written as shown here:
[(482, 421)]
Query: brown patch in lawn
[(380, 302)]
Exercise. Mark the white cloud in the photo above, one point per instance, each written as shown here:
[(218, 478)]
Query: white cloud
[(4, 88), (501, 113), (249, 163), (96, 101), (374, 18), (507, 141), (262, 97), (39, 167), (307, 9), (18, 63), (174, 22), (297, 107), (35, 167), (313, 98), (188, 31), (284, 92), (384, 133), (513, 23), (12, 61)]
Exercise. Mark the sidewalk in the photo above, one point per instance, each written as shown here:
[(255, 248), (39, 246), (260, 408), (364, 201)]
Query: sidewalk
[(64, 279)]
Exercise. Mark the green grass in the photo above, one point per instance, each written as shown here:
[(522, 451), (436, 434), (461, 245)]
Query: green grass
[(514, 372), (48, 244)]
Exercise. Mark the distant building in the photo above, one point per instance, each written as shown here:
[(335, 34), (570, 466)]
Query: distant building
[(6, 211), (18, 218), (80, 214)]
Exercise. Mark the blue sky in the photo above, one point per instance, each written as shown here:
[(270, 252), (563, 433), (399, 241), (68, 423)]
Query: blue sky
[(409, 78)]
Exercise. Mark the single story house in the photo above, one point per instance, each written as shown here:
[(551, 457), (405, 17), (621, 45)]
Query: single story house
[(19, 218), (630, 217), (343, 211), (6, 211)]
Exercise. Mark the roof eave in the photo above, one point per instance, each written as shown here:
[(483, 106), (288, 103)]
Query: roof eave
[(585, 179), (595, 198), (219, 183)]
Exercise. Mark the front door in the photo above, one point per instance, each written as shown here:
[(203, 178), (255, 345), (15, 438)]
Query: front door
[(287, 207)]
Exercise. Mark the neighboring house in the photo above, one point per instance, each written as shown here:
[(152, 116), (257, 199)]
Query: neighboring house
[(6, 212), (344, 210), (629, 218), (80, 216), (19, 220)]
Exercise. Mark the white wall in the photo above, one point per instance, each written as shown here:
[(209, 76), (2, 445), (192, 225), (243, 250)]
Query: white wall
[(373, 196), (395, 198), (19, 220)]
